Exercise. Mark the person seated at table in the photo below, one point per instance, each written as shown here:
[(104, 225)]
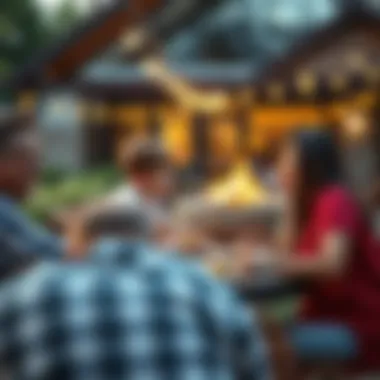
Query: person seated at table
[(126, 312), (328, 243), (21, 239), (107, 223), (149, 185), (149, 178)]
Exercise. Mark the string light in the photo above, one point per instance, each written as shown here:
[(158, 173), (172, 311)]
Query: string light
[(185, 94), (306, 83)]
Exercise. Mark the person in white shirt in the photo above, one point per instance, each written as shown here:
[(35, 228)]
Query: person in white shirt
[(149, 181), (148, 189)]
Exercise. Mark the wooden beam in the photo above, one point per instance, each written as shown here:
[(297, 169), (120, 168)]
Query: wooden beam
[(98, 39)]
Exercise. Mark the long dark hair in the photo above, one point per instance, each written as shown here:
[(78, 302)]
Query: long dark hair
[(319, 165)]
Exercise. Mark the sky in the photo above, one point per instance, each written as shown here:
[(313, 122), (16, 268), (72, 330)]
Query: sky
[(51, 4)]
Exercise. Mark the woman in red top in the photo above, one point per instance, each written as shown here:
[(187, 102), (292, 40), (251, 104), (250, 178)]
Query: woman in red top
[(333, 250)]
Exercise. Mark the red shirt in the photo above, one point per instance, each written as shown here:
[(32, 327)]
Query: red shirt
[(353, 299)]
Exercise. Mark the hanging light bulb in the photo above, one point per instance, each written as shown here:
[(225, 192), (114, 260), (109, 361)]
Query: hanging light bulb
[(186, 95)]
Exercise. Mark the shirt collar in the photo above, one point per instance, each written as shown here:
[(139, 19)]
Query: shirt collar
[(116, 251)]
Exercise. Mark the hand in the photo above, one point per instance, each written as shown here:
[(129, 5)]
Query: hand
[(251, 260)]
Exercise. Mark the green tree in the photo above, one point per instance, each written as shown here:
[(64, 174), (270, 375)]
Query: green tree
[(65, 17), (22, 31)]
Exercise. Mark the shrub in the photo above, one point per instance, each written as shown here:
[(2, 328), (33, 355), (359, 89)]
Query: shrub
[(59, 192)]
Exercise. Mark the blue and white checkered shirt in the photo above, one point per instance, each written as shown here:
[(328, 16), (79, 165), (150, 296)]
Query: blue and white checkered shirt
[(21, 240), (131, 315)]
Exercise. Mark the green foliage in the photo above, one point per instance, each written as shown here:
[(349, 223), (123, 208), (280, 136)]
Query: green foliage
[(65, 17), (22, 31), (25, 29), (58, 191)]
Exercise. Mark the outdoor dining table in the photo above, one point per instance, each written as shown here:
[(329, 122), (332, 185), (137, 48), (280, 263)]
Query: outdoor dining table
[(278, 300), (268, 289)]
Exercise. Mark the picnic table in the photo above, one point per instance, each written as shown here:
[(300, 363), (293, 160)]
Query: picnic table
[(277, 299), (269, 289)]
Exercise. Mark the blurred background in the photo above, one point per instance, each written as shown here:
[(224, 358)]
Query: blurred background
[(213, 93), (259, 69)]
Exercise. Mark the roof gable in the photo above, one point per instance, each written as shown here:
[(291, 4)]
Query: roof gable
[(352, 31), (335, 62), (91, 38)]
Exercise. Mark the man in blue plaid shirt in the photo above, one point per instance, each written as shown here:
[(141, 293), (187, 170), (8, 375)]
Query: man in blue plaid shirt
[(21, 241), (127, 313)]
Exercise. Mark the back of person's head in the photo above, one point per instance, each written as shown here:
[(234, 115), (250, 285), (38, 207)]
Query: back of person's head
[(89, 227), (117, 223), (19, 162)]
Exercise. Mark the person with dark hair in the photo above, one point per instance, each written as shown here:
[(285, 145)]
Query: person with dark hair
[(333, 250), (107, 223), (21, 240), (147, 169), (131, 224)]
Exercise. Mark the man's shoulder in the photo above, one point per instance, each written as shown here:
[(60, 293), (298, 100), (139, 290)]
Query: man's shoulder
[(46, 279), (181, 271), (24, 285), (155, 267)]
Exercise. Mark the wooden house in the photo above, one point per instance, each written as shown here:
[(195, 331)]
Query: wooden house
[(335, 68)]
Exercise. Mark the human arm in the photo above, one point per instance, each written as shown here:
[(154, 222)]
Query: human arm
[(331, 260), (22, 237), (333, 226)]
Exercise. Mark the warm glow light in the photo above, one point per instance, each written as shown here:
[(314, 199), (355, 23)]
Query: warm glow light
[(133, 39), (366, 100), (186, 95), (355, 125), (224, 138), (306, 83), (240, 189), (177, 133), (133, 117), (157, 70)]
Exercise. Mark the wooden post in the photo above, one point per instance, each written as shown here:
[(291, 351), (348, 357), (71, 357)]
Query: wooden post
[(200, 124)]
